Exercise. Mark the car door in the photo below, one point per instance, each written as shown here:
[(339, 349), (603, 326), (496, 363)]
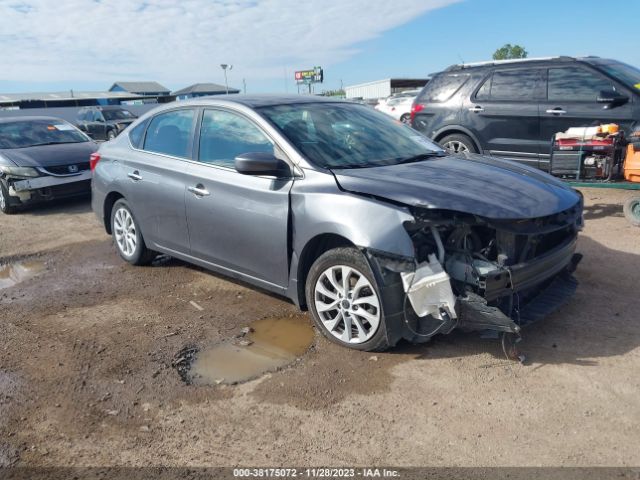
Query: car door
[(237, 222), (504, 113), (572, 93), (156, 176), (93, 125)]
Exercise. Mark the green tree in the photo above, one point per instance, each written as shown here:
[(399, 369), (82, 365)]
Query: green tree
[(509, 51)]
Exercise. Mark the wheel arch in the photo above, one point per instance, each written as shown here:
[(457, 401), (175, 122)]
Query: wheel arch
[(457, 129), (312, 250), (109, 202)]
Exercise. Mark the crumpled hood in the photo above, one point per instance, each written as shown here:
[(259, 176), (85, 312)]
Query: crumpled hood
[(50, 155), (475, 184)]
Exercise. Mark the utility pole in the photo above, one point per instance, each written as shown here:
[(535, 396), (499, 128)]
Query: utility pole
[(224, 67)]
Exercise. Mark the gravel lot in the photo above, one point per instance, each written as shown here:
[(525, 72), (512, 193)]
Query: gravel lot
[(87, 346)]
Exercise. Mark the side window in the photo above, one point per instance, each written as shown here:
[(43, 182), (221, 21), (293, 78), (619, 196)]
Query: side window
[(225, 135), (572, 84), (170, 133), (137, 134), (442, 87), (484, 92), (514, 84)]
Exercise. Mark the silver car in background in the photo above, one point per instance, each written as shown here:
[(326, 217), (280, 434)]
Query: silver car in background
[(375, 229)]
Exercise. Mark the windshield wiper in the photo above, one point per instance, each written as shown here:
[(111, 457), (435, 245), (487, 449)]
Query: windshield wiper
[(420, 157)]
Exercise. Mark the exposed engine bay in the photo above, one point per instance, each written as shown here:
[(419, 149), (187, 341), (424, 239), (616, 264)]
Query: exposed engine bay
[(479, 274)]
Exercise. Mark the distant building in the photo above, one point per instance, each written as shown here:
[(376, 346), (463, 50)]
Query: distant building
[(202, 90), (384, 88), (146, 89), (19, 101)]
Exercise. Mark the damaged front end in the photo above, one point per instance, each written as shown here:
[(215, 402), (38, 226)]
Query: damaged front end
[(475, 273)]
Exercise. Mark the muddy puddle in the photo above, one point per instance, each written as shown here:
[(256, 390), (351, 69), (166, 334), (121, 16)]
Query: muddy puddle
[(268, 345), (17, 272)]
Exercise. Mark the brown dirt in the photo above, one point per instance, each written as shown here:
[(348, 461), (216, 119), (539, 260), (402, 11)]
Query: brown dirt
[(86, 375)]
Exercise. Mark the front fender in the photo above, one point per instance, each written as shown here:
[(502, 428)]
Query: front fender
[(319, 207)]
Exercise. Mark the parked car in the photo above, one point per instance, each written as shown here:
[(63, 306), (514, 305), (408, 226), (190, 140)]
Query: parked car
[(370, 225), (398, 108), (513, 108), (42, 158), (104, 123)]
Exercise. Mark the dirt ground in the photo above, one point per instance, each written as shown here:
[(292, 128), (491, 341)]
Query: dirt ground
[(86, 376)]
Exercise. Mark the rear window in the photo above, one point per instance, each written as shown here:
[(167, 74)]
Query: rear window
[(443, 87), (32, 133)]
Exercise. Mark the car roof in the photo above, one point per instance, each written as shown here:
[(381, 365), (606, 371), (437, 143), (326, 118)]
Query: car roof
[(515, 61), (264, 100), (31, 119)]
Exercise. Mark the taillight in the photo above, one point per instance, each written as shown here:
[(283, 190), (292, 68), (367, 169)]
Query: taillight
[(415, 108), (93, 160)]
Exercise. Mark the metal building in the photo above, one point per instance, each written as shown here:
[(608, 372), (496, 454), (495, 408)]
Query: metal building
[(383, 88)]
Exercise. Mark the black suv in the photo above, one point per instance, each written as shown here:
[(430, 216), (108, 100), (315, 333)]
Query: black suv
[(513, 108), (104, 123)]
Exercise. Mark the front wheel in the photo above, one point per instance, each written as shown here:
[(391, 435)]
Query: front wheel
[(111, 134), (632, 211), (127, 235), (5, 202), (344, 299)]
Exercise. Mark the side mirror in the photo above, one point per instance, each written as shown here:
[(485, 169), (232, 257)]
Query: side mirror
[(611, 99), (262, 164)]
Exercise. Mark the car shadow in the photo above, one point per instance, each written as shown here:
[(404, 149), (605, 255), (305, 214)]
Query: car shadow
[(600, 321), (601, 210), (71, 206)]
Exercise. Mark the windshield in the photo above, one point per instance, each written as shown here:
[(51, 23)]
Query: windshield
[(625, 73), (347, 135), (117, 115), (30, 133)]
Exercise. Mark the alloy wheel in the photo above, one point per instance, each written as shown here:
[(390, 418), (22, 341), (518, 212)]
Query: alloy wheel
[(454, 146), (125, 230), (347, 304)]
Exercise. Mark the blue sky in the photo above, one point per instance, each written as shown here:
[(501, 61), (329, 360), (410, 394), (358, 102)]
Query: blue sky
[(87, 45)]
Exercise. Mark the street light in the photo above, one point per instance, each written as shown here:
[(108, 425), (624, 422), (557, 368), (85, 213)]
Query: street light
[(224, 67)]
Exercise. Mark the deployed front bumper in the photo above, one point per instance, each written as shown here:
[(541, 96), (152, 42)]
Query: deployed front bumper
[(49, 181)]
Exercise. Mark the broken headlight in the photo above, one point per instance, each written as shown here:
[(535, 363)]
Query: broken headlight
[(19, 171)]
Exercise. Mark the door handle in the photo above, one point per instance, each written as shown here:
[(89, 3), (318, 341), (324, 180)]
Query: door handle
[(557, 111), (135, 175), (199, 190), (476, 109)]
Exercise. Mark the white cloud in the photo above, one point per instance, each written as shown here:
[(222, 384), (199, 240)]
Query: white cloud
[(177, 41)]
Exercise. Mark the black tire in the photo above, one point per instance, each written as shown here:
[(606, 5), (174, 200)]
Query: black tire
[(632, 211), (353, 258), (458, 139), (111, 134), (406, 119), (140, 255), (5, 200)]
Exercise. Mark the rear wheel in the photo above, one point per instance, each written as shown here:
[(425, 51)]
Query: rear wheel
[(406, 119), (127, 235), (343, 296), (5, 202), (458, 143), (632, 211)]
